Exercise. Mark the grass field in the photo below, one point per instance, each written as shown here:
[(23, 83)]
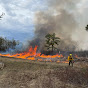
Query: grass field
[(19, 73)]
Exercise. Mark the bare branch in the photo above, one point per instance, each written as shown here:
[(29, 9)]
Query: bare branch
[(1, 16)]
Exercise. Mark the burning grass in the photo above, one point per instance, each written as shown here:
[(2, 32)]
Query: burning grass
[(32, 54), (21, 73)]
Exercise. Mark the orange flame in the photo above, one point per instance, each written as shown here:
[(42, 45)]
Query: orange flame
[(32, 54), (76, 56)]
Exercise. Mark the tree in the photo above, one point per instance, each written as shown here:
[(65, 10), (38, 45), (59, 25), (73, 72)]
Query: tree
[(1, 44), (87, 28), (12, 43), (6, 44), (1, 16), (52, 41)]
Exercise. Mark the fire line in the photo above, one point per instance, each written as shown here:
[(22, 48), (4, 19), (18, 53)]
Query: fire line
[(32, 55)]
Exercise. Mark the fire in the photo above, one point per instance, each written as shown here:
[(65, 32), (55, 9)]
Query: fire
[(32, 54), (31, 58), (40, 60), (76, 56)]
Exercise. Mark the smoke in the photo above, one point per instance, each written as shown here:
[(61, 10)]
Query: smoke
[(58, 19)]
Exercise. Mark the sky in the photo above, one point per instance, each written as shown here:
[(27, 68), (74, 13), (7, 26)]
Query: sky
[(18, 21)]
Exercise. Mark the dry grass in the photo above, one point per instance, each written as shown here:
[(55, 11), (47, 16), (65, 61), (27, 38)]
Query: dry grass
[(19, 73)]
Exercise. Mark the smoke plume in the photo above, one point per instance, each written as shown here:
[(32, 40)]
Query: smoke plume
[(58, 19)]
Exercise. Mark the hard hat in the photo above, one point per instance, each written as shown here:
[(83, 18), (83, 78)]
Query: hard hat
[(70, 54)]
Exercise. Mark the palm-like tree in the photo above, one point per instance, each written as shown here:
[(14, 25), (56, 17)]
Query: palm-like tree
[(51, 41)]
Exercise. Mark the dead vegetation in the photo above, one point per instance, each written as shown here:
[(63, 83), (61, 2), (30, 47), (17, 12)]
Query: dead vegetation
[(19, 73), (1, 65)]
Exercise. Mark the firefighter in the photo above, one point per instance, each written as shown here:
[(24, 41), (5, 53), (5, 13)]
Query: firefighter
[(70, 59)]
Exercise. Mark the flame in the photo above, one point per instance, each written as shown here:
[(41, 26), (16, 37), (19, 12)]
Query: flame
[(32, 54), (40, 60), (76, 56)]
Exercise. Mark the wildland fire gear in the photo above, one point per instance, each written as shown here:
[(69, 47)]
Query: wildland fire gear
[(70, 59)]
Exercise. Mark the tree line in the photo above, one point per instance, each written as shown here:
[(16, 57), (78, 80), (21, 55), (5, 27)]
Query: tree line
[(5, 44)]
